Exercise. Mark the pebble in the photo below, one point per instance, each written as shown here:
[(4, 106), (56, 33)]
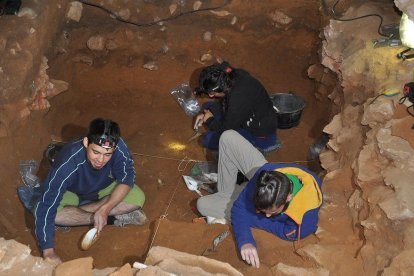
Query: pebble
[(207, 36), (151, 65)]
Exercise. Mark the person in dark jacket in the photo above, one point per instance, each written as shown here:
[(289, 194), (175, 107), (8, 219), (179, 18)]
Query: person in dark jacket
[(280, 198), (91, 182), (244, 105)]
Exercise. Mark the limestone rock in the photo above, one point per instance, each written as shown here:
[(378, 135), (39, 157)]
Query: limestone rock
[(173, 8), (378, 112), (278, 17), (125, 270), (406, 6), (75, 11), (329, 161), (207, 36), (402, 128), (173, 259), (27, 12), (395, 148), (151, 65), (197, 5), (15, 259), (368, 166), (151, 271), (401, 205), (206, 57), (81, 266), (220, 13), (293, 271), (125, 14), (96, 43), (409, 235), (401, 264), (334, 126)]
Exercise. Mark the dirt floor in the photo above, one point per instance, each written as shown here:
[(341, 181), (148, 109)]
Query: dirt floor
[(116, 85)]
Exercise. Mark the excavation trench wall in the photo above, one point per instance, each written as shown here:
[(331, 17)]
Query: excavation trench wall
[(372, 137)]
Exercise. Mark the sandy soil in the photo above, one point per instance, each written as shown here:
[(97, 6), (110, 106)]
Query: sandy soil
[(117, 86)]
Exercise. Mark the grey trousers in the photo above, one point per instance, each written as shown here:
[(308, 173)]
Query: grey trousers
[(235, 154)]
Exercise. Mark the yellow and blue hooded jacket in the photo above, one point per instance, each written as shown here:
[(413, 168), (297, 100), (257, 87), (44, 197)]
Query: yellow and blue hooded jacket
[(299, 220)]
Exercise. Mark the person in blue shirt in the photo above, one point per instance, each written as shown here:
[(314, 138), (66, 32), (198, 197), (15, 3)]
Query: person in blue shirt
[(91, 182), (280, 198)]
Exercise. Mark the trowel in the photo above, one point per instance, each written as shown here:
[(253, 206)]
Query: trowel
[(197, 133)]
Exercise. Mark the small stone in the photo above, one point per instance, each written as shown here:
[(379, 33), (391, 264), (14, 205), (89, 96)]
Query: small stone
[(221, 13), (75, 11), (173, 8), (207, 36), (125, 14), (122, 271), (222, 39), (233, 20), (96, 43), (151, 65), (206, 57), (27, 12), (81, 266), (197, 5), (280, 18)]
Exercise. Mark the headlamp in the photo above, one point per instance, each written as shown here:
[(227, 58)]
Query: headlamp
[(105, 141)]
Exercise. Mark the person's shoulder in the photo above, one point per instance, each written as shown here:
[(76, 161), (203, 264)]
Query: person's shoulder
[(122, 143), (73, 150)]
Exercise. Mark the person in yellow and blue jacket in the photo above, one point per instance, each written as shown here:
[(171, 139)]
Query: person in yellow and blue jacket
[(280, 198)]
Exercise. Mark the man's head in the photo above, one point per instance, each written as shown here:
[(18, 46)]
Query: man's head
[(273, 192), (215, 80), (101, 141)]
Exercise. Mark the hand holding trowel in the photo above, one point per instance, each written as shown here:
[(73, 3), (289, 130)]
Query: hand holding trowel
[(198, 123)]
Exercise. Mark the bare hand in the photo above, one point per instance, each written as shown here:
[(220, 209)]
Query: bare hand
[(100, 218), (199, 121), (207, 115), (249, 254), (50, 256)]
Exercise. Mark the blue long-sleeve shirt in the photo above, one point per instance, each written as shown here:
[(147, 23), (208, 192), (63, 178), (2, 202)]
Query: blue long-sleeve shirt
[(301, 216), (72, 172)]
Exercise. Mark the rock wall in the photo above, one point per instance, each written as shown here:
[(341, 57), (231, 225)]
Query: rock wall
[(24, 87), (372, 136)]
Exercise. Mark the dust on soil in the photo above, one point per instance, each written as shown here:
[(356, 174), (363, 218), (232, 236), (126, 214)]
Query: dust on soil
[(117, 86)]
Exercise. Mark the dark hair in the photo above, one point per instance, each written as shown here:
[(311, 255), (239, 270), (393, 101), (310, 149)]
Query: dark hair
[(216, 77), (272, 189), (104, 133)]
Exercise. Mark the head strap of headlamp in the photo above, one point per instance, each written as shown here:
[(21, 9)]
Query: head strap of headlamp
[(106, 140)]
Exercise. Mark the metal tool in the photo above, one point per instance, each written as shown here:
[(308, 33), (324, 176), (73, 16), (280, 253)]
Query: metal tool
[(198, 123), (217, 240)]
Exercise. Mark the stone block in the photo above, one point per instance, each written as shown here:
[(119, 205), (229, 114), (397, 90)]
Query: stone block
[(81, 266)]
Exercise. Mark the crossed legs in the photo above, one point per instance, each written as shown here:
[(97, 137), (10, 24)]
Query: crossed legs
[(83, 215)]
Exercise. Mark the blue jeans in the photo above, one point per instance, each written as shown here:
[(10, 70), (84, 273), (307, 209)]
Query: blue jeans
[(267, 143)]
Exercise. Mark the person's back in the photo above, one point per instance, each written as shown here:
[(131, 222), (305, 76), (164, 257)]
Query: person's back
[(247, 107)]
